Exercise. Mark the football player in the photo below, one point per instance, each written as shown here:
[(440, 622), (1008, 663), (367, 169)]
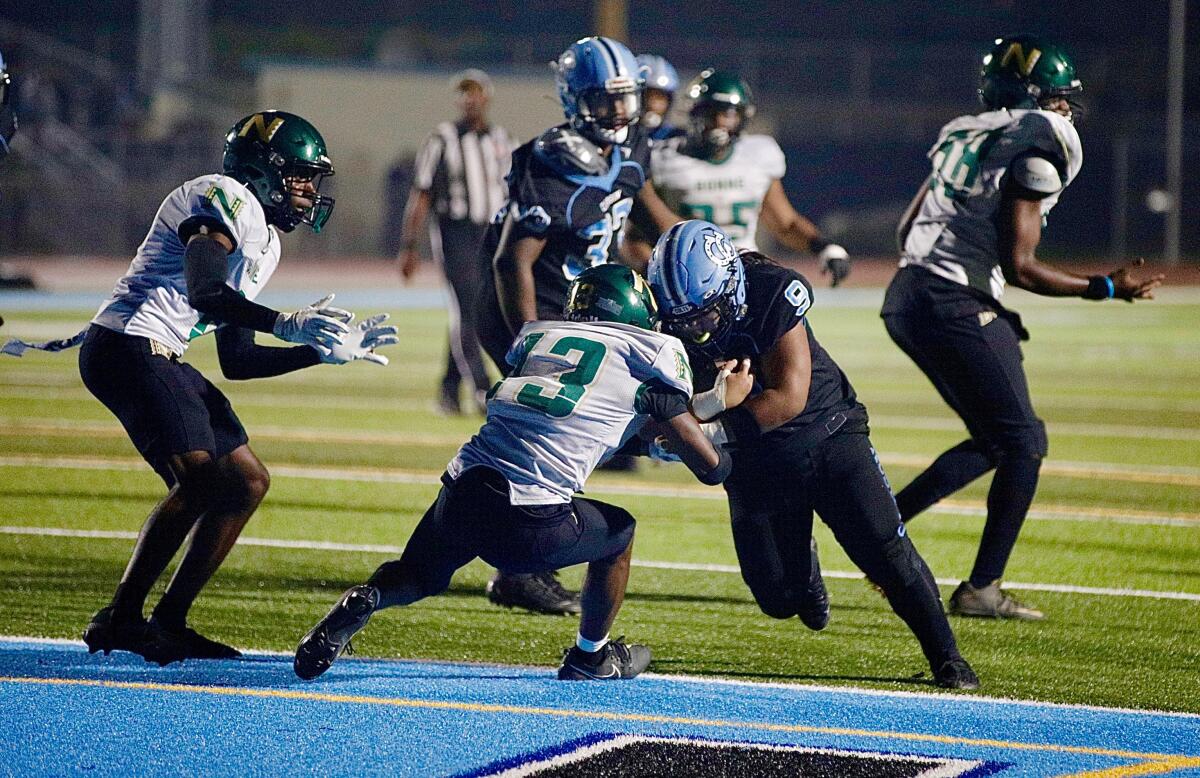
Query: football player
[(8, 119), (570, 192), (662, 82), (971, 228), (211, 249), (718, 174), (800, 441), (575, 392)]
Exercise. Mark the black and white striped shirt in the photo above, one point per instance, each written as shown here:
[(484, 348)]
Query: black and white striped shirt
[(465, 171)]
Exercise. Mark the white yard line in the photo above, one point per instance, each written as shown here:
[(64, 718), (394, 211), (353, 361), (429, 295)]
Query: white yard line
[(605, 486), (21, 426), (371, 548)]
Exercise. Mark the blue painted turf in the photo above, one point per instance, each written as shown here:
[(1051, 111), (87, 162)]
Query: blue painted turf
[(416, 718)]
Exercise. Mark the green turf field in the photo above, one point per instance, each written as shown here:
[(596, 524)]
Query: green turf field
[(355, 452)]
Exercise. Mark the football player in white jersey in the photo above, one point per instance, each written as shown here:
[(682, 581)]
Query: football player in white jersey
[(578, 390), (973, 227), (720, 175), (212, 247)]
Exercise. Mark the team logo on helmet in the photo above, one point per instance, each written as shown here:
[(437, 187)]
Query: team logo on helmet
[(264, 131), (1025, 62), (718, 248)]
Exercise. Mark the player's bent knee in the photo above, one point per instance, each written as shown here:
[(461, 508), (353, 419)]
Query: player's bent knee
[(901, 565), (1029, 441)]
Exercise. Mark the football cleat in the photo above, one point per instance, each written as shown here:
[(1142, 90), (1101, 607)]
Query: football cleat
[(331, 636), (107, 633), (956, 674), (990, 602), (814, 607), (174, 645), (615, 662), (539, 593)]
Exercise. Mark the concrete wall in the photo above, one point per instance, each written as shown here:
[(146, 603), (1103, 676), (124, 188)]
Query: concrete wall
[(370, 118)]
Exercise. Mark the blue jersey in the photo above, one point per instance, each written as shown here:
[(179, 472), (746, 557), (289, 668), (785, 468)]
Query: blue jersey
[(575, 198)]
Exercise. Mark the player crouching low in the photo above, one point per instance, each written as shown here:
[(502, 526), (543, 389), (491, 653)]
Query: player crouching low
[(578, 391)]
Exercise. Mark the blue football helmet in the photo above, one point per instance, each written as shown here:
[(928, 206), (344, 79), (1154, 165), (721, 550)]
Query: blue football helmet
[(700, 284), (600, 86), (658, 74)]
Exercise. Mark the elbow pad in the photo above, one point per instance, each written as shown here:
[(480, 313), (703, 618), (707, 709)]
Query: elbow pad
[(1034, 177), (719, 473)]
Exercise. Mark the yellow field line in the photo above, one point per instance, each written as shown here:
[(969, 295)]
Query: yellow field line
[(1151, 761)]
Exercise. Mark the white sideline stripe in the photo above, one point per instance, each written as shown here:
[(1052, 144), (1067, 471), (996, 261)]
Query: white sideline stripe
[(383, 403), (974, 699), (601, 486), (20, 426), (371, 548)]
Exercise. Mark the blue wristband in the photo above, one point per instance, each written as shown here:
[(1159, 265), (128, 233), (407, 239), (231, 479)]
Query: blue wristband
[(1112, 290)]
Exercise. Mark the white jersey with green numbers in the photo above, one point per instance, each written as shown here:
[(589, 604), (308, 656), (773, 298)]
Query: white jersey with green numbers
[(150, 300), (728, 193), (953, 234), (571, 400)]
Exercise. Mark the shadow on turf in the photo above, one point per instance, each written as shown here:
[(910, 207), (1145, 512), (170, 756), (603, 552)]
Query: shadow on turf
[(664, 665)]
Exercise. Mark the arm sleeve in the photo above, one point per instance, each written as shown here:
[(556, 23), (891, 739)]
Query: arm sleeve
[(205, 270), (241, 358), (661, 402), (428, 159)]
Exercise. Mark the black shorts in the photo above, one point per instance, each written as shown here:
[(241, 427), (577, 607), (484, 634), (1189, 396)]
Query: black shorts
[(166, 406), (472, 517)]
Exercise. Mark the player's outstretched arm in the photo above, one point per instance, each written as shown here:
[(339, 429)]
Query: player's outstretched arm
[(513, 268), (799, 233), (1022, 268)]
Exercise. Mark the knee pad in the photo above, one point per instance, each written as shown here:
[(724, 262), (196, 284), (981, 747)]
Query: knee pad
[(1029, 441), (902, 563)]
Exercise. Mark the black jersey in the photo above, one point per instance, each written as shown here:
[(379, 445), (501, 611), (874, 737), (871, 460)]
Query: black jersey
[(778, 299), (559, 190)]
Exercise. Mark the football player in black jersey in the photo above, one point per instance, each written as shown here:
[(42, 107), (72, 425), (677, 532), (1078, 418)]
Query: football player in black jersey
[(974, 226), (799, 443), (570, 193)]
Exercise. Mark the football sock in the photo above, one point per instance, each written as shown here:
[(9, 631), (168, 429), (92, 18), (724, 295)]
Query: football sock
[(950, 472), (1008, 501), (590, 646)]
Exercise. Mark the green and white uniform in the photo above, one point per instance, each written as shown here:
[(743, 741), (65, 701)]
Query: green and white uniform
[(728, 193), (571, 400), (954, 233), (151, 300)]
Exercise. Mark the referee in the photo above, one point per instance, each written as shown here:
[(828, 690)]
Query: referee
[(460, 175)]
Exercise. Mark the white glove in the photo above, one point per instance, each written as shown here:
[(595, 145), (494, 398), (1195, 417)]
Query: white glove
[(361, 342), (711, 404), (318, 325), (715, 432), (659, 452), (836, 262)]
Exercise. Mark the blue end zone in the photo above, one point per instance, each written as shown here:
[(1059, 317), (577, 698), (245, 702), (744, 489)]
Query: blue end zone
[(65, 711)]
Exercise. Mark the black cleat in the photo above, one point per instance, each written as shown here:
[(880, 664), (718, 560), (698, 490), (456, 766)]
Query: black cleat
[(107, 633), (814, 608), (174, 645), (539, 593), (956, 674), (325, 642), (616, 661)]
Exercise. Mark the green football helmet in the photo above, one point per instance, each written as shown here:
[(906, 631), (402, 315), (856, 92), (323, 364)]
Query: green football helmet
[(714, 92), (1026, 71), (273, 153), (611, 292)]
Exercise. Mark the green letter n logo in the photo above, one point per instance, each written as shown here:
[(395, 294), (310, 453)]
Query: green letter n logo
[(217, 196)]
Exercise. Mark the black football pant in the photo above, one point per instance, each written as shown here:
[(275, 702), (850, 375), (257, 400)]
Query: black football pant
[(472, 517), (456, 247), (773, 491), (974, 361)]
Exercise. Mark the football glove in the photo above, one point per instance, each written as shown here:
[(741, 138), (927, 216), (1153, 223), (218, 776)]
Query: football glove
[(361, 341), (711, 404), (318, 325), (835, 261)]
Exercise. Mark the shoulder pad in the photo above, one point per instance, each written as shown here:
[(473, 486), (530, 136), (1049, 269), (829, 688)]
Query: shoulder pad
[(1036, 174), (566, 150)]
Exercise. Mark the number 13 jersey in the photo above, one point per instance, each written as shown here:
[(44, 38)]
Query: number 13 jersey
[(573, 398), (954, 233)]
